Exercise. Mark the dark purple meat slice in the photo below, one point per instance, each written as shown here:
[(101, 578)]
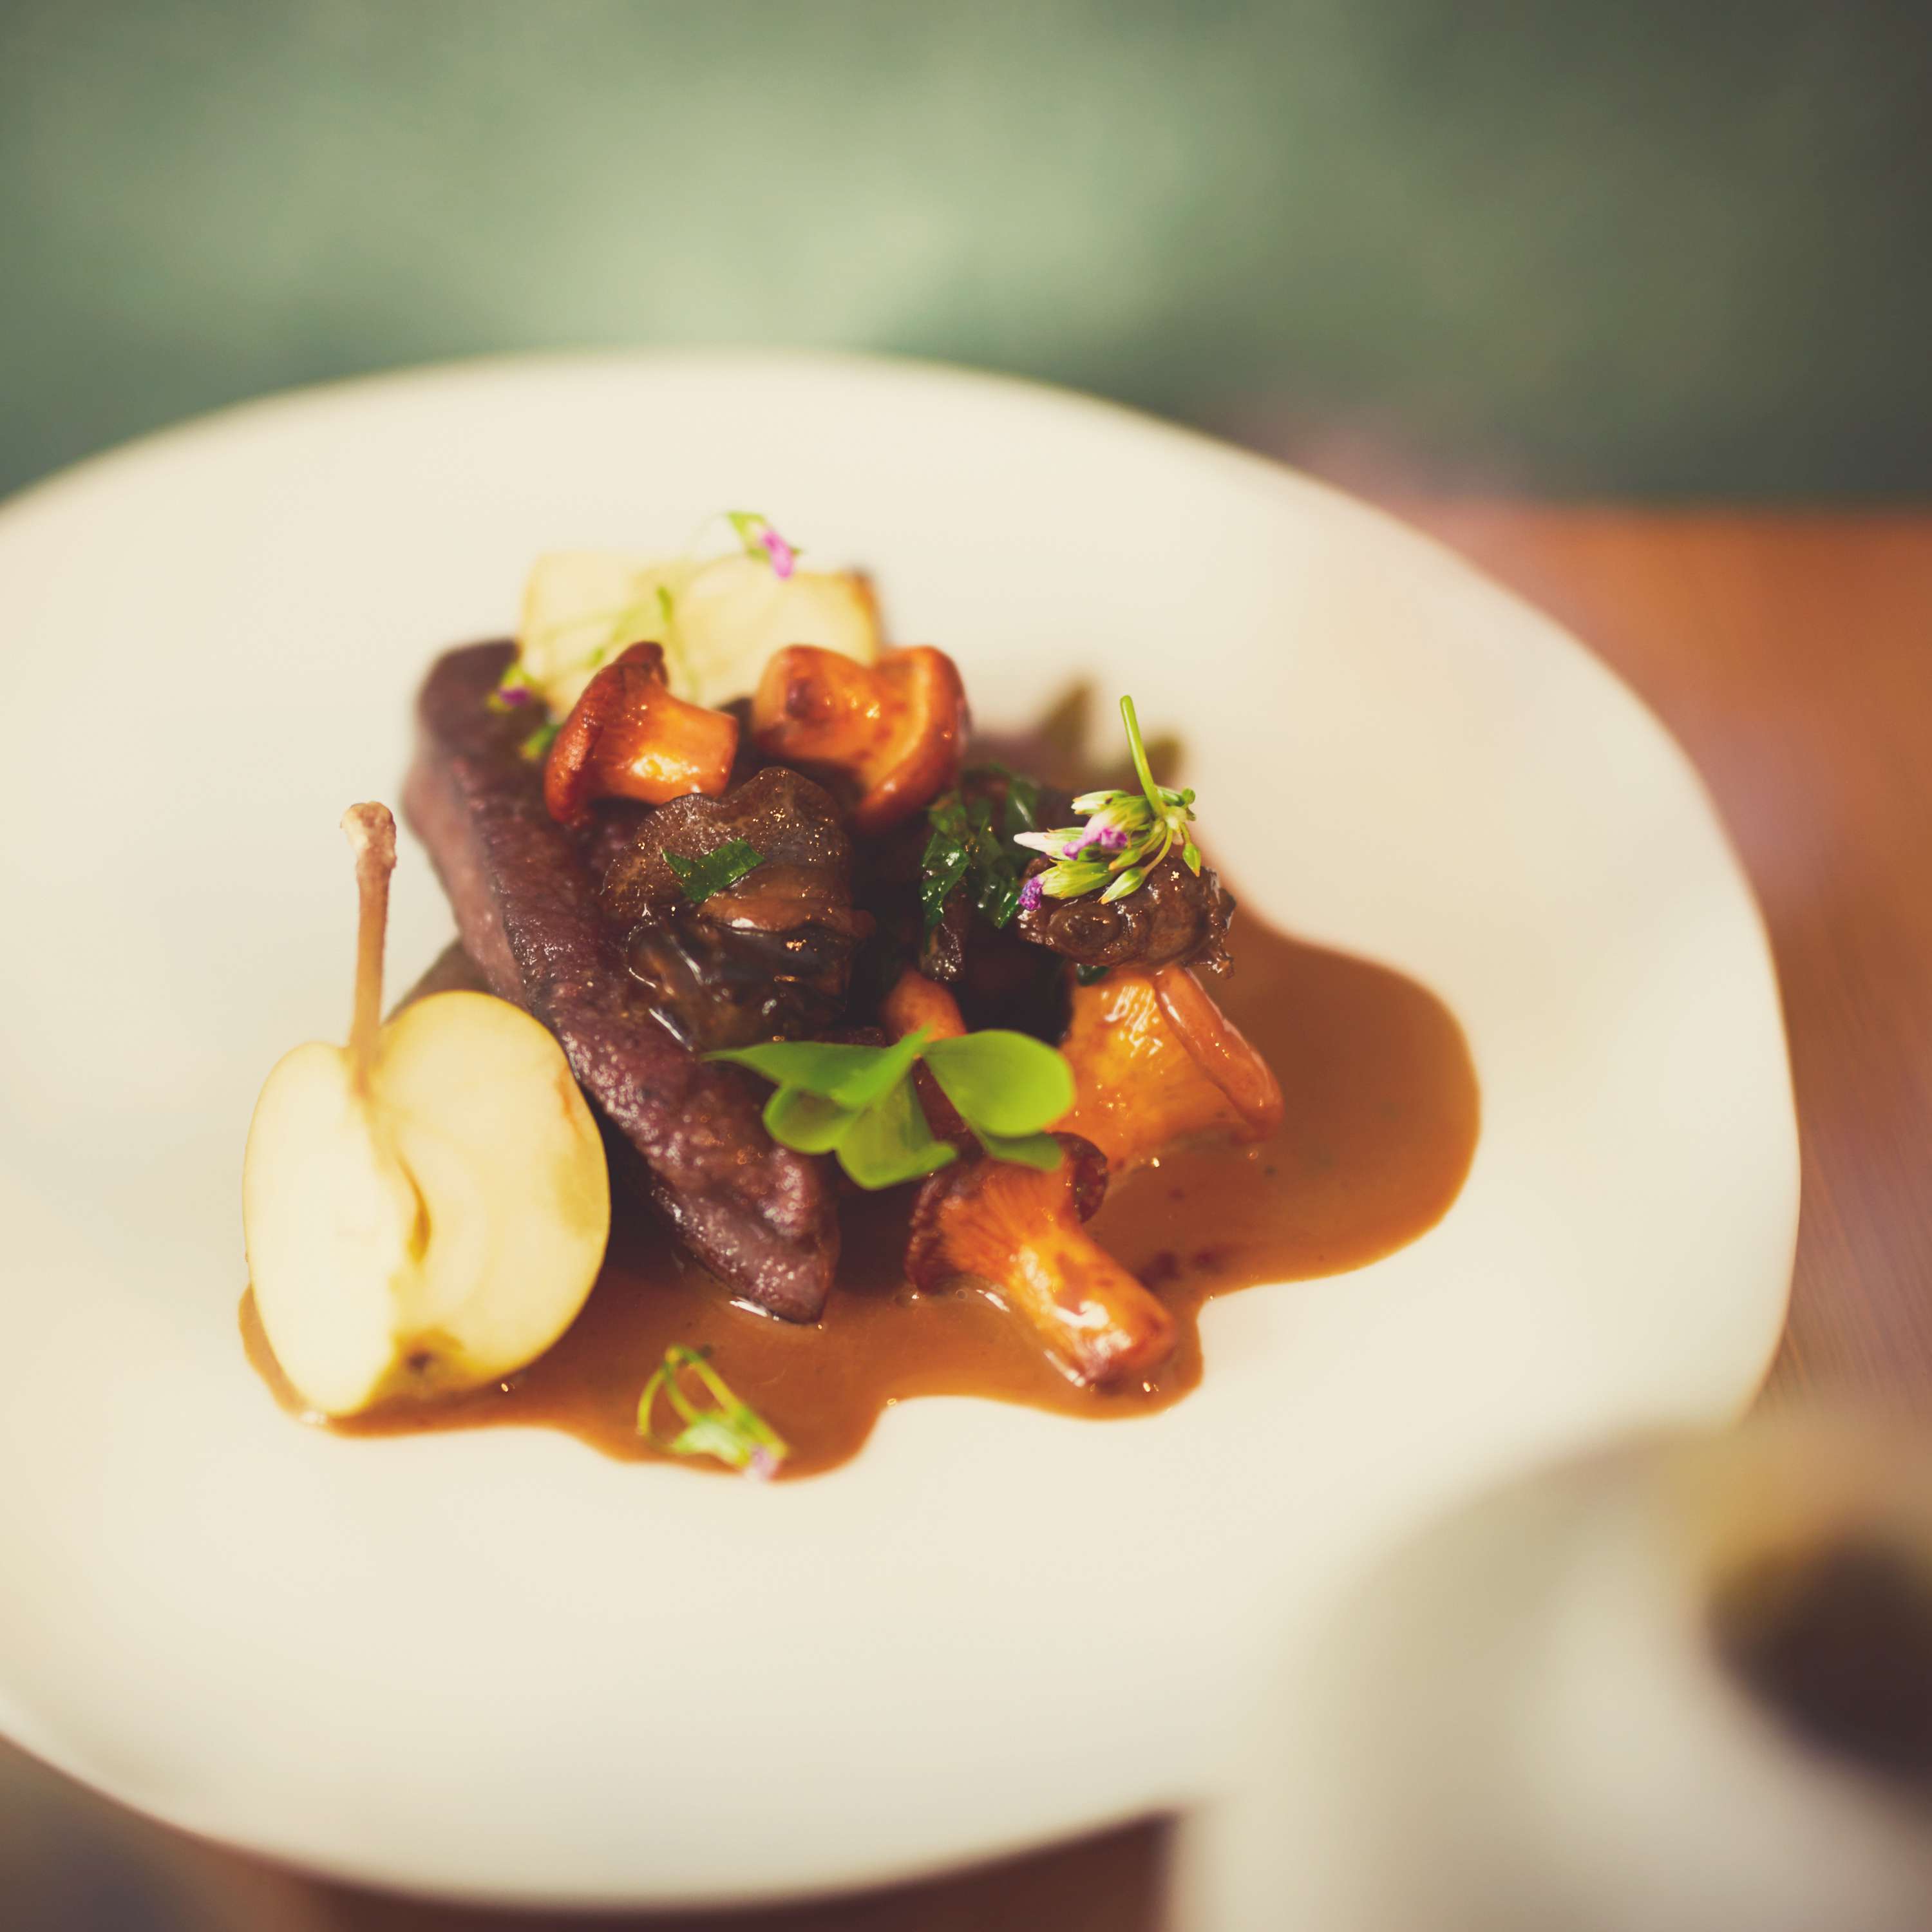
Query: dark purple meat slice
[(768, 956), (757, 1214), (1177, 917)]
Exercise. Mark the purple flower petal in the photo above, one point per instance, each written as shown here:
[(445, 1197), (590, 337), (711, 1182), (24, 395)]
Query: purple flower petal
[(784, 558), (1031, 894), (763, 1465)]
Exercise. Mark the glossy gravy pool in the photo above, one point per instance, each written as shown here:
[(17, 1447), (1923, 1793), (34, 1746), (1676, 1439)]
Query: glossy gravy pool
[(1381, 1125)]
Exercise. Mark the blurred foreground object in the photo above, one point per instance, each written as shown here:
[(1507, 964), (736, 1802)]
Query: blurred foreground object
[(1685, 1686), (72, 1862)]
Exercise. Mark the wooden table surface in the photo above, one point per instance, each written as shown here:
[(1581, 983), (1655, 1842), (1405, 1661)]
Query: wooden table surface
[(1791, 655)]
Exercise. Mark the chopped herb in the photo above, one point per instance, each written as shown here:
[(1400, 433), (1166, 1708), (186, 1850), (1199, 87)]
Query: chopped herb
[(965, 848), (733, 1431), (1127, 834), (536, 747), (723, 866), (1090, 976), (861, 1102), (943, 863)]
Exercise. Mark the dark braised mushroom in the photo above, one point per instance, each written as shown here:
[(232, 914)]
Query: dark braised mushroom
[(757, 949), (1175, 918)]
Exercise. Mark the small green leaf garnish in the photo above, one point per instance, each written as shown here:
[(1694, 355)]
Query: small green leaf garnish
[(733, 1431), (887, 1066), (1039, 1150), (1090, 976), (819, 1066), (807, 1122), (714, 871), (862, 1102), (1005, 1083), (1127, 834), (889, 1142)]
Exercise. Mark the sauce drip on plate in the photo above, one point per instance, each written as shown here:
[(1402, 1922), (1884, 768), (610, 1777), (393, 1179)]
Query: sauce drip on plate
[(1381, 1125)]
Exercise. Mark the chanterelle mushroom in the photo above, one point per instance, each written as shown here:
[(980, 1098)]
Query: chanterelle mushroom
[(1018, 1230), (894, 729), (628, 737), (1153, 1059)]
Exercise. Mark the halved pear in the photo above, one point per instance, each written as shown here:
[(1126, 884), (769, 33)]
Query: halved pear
[(718, 621), (426, 1209), (736, 612), (582, 607)]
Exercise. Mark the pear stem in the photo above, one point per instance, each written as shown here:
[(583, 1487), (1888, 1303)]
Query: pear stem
[(371, 831)]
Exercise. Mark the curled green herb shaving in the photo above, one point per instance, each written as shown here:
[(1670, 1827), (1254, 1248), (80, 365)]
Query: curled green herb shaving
[(733, 1431), (712, 872), (1127, 834), (536, 747), (515, 692), (515, 696), (760, 540), (964, 849), (861, 1103)]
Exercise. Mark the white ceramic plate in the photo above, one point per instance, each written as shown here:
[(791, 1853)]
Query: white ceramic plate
[(497, 1665)]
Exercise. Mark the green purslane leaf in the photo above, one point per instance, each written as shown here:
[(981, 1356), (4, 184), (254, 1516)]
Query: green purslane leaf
[(887, 1068), (1039, 1150), (733, 1432), (890, 1142), (861, 1103), (1003, 1083), (806, 1122), (716, 870), (818, 1066)]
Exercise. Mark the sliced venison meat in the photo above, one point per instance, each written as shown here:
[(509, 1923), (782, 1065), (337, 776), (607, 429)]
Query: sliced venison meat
[(526, 907), (767, 955), (1176, 918)]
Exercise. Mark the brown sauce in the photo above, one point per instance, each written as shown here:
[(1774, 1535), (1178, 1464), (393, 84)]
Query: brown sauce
[(1380, 1127)]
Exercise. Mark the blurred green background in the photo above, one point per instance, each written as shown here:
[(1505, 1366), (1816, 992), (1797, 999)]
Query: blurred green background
[(1668, 247)]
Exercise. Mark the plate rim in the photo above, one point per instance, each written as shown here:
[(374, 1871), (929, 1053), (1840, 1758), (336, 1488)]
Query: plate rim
[(1253, 470)]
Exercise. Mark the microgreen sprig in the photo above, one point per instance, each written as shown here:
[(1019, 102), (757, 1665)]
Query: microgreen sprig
[(1126, 835), (861, 1102), (760, 540), (733, 1431)]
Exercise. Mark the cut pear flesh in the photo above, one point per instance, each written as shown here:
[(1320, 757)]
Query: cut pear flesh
[(433, 1228), (718, 621)]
